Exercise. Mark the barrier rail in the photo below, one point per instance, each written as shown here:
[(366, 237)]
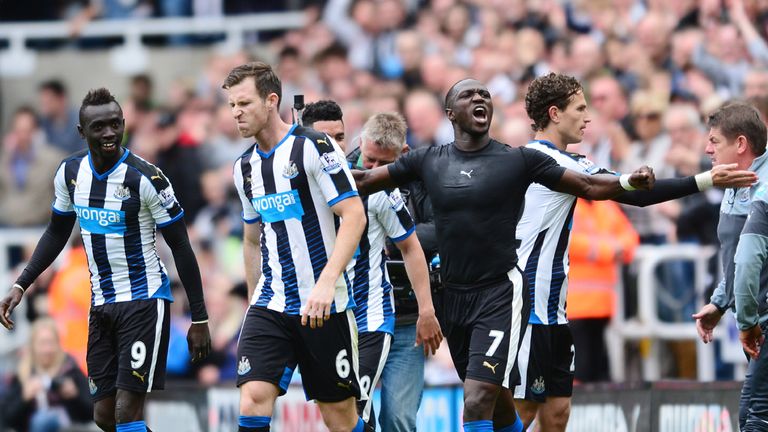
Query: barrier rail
[(18, 60)]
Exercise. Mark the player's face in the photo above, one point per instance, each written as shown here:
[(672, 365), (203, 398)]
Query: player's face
[(102, 127), (574, 119), (719, 149), (374, 156), (248, 108), (472, 108), (334, 129)]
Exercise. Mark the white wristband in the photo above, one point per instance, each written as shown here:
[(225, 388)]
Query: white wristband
[(704, 180), (20, 287), (624, 181), (200, 322)]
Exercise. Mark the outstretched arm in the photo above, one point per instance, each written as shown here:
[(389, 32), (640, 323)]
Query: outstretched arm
[(198, 337), (373, 180), (603, 186), (721, 176), (48, 248)]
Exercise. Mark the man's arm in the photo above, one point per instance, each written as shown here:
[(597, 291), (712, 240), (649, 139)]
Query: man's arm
[(353, 220), (751, 255), (427, 326), (198, 337), (721, 176), (48, 248), (373, 180), (603, 186), (252, 255)]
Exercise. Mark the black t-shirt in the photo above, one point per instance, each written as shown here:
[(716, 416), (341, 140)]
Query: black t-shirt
[(478, 198)]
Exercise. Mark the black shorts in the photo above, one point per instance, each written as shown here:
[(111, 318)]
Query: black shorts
[(484, 326), (127, 346), (272, 343), (374, 350), (546, 362)]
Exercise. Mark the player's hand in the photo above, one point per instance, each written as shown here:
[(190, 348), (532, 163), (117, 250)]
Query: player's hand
[(727, 176), (642, 178), (428, 332), (318, 308), (198, 341), (706, 321), (752, 339), (9, 303)]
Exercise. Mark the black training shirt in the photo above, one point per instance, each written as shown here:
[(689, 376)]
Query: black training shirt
[(478, 198)]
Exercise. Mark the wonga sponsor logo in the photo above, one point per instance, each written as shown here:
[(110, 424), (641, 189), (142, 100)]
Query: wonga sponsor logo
[(101, 221), (278, 207)]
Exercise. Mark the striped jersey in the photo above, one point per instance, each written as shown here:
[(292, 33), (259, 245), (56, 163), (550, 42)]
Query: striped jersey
[(118, 212), (387, 217), (289, 192), (544, 232)]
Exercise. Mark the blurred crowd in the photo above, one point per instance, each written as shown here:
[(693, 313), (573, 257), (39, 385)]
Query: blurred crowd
[(652, 71)]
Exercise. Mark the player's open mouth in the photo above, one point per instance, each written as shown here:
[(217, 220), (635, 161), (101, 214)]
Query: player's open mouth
[(480, 114), (108, 145)]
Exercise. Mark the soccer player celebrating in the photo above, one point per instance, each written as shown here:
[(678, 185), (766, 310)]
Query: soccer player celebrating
[(293, 184), (119, 199), (556, 105), (477, 186)]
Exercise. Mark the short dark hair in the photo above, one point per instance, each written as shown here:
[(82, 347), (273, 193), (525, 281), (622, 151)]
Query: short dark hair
[(99, 96), (451, 93), (289, 51), (547, 91), (322, 110), (738, 118), (266, 80), (55, 86)]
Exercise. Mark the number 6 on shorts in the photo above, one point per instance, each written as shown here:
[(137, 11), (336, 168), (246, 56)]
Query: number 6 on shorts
[(497, 336)]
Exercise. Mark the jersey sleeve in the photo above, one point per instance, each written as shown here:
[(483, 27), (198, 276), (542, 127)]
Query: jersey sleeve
[(250, 215), (393, 214), (158, 195), (325, 163), (62, 201), (408, 167), (542, 168)]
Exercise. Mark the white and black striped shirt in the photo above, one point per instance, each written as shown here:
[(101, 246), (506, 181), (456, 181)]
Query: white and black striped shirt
[(289, 192), (118, 212)]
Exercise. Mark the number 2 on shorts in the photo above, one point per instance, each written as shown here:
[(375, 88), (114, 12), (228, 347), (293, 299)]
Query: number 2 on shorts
[(497, 336)]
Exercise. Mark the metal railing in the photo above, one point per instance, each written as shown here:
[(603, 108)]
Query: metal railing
[(647, 325), (18, 60)]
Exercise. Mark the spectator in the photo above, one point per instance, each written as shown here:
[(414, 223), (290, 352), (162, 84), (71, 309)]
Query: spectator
[(58, 118), (601, 239), (25, 193), (427, 126), (48, 392)]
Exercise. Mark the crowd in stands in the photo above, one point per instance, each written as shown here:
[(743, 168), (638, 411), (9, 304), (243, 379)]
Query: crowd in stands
[(652, 71)]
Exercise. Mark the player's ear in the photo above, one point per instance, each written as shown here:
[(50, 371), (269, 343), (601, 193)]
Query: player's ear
[(554, 114), (81, 131), (406, 149), (449, 114)]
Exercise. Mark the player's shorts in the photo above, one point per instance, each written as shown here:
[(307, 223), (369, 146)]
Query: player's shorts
[(272, 343), (127, 346), (374, 350), (546, 362), (484, 326)]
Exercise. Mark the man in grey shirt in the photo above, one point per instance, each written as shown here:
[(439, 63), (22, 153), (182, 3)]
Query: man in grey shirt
[(737, 135)]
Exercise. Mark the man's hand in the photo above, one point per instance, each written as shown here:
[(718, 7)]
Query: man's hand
[(643, 178), (428, 332), (727, 176), (198, 341), (752, 339), (318, 306), (706, 321), (9, 303)]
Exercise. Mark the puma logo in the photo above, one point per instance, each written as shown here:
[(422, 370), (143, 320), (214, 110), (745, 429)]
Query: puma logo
[(139, 376), (156, 177), (73, 183), (468, 174), (488, 365)]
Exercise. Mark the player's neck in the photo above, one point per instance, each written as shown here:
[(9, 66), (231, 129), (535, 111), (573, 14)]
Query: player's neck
[(103, 164), (269, 137), (470, 143), (551, 136)]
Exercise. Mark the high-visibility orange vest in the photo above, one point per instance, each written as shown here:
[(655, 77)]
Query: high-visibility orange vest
[(600, 228)]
